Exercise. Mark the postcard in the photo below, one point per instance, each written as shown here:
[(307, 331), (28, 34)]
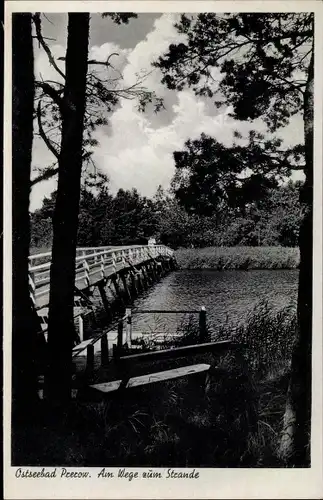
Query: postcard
[(163, 249)]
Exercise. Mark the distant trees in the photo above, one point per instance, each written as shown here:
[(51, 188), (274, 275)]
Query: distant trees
[(129, 218), (283, 214)]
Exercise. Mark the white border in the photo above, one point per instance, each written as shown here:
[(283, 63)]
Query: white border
[(213, 483)]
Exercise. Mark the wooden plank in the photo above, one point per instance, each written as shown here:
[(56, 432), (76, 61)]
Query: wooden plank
[(155, 337), (77, 350), (151, 378), (80, 347), (212, 347)]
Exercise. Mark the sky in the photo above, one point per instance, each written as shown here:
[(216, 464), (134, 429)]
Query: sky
[(135, 148)]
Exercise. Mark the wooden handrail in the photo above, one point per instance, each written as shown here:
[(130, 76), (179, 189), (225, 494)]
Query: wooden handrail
[(178, 352), (99, 251), (108, 248), (89, 264), (95, 339)]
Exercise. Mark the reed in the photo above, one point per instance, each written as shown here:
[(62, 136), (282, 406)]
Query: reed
[(269, 336), (226, 258)]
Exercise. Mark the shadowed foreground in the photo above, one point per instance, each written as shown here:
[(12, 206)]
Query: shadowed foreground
[(237, 423)]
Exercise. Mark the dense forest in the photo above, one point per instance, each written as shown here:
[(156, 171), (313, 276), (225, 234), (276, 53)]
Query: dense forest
[(129, 218)]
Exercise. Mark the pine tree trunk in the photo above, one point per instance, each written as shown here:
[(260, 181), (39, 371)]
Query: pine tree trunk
[(295, 443), (61, 332), (24, 331)]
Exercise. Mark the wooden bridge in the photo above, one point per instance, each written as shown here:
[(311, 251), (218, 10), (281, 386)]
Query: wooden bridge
[(96, 265), (112, 359)]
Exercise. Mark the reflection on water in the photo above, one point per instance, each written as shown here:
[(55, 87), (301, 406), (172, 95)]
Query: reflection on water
[(226, 295)]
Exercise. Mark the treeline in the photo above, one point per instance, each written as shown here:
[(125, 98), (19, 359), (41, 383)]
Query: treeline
[(129, 218)]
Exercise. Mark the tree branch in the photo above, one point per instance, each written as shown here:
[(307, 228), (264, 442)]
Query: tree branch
[(49, 172), (37, 23), (43, 135), (93, 61), (105, 63), (51, 92)]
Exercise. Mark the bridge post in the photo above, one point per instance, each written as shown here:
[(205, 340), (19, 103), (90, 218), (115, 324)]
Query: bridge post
[(140, 281), (134, 284), (144, 277), (89, 360), (102, 267), (32, 288), (117, 289), (104, 299), (202, 324), (164, 266), (114, 262), (104, 351), (120, 337), (153, 270), (128, 327), (148, 274), (86, 272), (81, 328), (125, 286)]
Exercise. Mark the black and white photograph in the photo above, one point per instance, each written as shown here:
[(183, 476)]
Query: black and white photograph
[(163, 252)]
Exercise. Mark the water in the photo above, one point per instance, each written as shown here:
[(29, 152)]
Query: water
[(227, 296)]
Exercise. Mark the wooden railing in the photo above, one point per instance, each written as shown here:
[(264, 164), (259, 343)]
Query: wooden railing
[(130, 369), (92, 265), (124, 336), (127, 321)]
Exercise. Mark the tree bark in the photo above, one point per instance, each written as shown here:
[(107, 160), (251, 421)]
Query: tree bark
[(24, 327), (61, 331), (295, 443)]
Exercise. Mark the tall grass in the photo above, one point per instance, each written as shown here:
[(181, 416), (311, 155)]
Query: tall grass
[(269, 337), (225, 258)]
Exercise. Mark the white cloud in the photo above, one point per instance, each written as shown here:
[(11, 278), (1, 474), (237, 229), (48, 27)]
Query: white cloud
[(43, 69), (149, 49), (137, 151), (137, 155)]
